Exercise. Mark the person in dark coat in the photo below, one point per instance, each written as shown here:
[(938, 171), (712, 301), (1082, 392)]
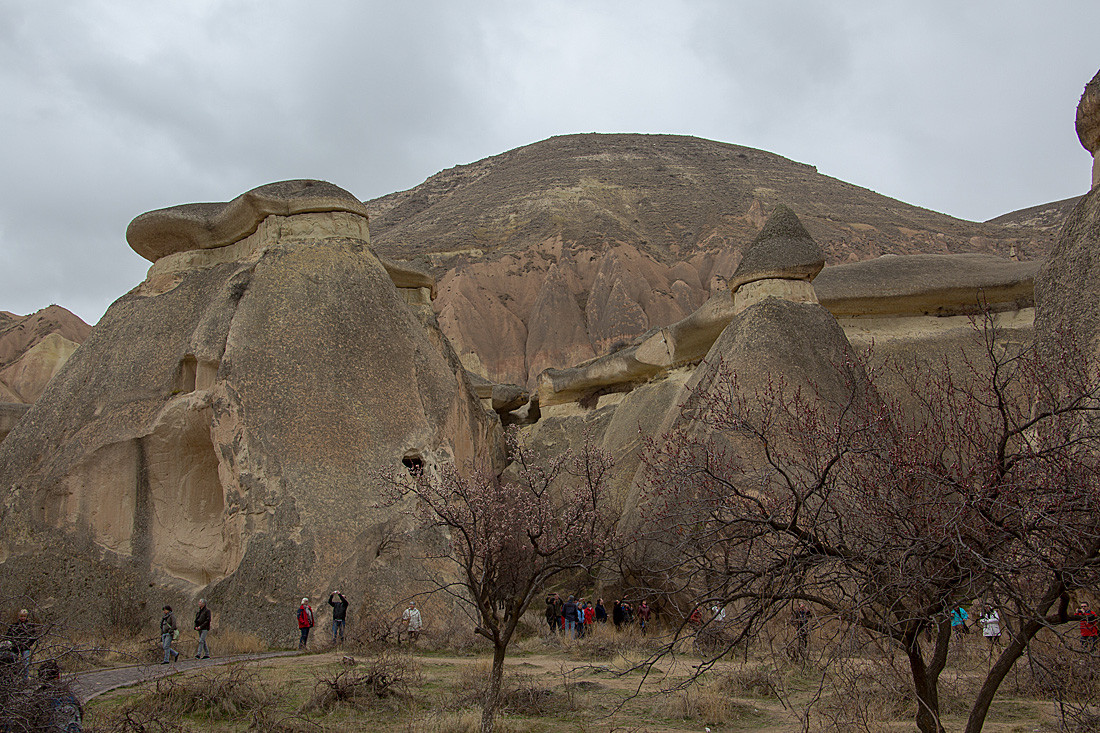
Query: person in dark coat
[(23, 635), (601, 612), (168, 632), (618, 616), (202, 625), (339, 615)]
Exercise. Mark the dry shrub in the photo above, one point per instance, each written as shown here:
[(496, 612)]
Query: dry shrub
[(373, 630), (388, 675), (27, 705), (863, 697), (1072, 680), (223, 695)]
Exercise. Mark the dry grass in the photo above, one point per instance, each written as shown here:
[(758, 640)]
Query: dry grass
[(232, 643), (706, 705)]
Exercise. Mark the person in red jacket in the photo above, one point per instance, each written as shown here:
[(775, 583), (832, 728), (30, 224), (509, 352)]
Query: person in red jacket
[(305, 622), (1089, 631)]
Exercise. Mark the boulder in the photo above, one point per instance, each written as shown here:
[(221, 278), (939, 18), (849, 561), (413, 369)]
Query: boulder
[(224, 430)]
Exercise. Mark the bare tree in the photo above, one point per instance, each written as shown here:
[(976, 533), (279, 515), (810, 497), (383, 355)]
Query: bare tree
[(508, 536), (886, 509)]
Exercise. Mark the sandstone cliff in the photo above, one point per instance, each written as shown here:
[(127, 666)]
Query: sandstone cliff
[(222, 430)]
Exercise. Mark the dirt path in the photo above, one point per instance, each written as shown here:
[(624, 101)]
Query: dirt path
[(91, 684)]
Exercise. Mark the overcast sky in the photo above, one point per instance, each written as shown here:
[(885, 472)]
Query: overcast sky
[(114, 107)]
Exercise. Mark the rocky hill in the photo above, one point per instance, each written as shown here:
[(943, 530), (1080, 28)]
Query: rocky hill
[(560, 251), (33, 348)]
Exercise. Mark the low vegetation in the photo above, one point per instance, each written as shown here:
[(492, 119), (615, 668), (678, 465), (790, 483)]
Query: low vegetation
[(605, 682)]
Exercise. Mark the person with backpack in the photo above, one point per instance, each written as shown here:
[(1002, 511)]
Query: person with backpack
[(168, 634), (305, 622)]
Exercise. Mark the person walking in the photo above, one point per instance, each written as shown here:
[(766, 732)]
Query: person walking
[(168, 633), (569, 616), (553, 611), (202, 625), (990, 619), (1089, 630), (412, 621), (305, 622), (339, 615), (801, 618), (22, 634), (958, 622), (643, 616)]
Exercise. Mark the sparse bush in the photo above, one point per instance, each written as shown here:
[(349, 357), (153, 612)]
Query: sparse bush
[(387, 675)]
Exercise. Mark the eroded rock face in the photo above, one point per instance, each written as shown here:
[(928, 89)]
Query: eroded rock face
[(222, 431), (914, 302), (1067, 290)]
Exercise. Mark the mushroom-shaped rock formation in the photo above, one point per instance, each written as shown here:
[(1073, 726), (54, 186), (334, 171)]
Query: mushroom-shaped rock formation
[(937, 285), (780, 263), (224, 431), (1088, 123), (176, 229)]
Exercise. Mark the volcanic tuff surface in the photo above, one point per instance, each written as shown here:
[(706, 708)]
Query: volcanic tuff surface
[(33, 348), (563, 250)]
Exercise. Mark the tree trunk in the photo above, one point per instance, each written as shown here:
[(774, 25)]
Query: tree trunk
[(924, 685), (492, 697)]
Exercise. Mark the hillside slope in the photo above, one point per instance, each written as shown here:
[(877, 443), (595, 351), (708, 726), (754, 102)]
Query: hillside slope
[(562, 250)]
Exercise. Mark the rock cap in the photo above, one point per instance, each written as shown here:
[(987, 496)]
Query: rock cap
[(162, 232), (783, 250)]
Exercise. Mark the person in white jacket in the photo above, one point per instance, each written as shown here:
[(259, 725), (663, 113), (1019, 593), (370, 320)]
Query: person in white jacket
[(412, 622), (990, 620)]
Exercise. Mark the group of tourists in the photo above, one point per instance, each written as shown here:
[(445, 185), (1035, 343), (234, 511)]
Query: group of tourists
[(412, 623), (576, 617), (169, 632)]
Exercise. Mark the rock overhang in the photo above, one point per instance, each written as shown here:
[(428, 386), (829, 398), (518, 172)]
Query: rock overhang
[(156, 234)]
